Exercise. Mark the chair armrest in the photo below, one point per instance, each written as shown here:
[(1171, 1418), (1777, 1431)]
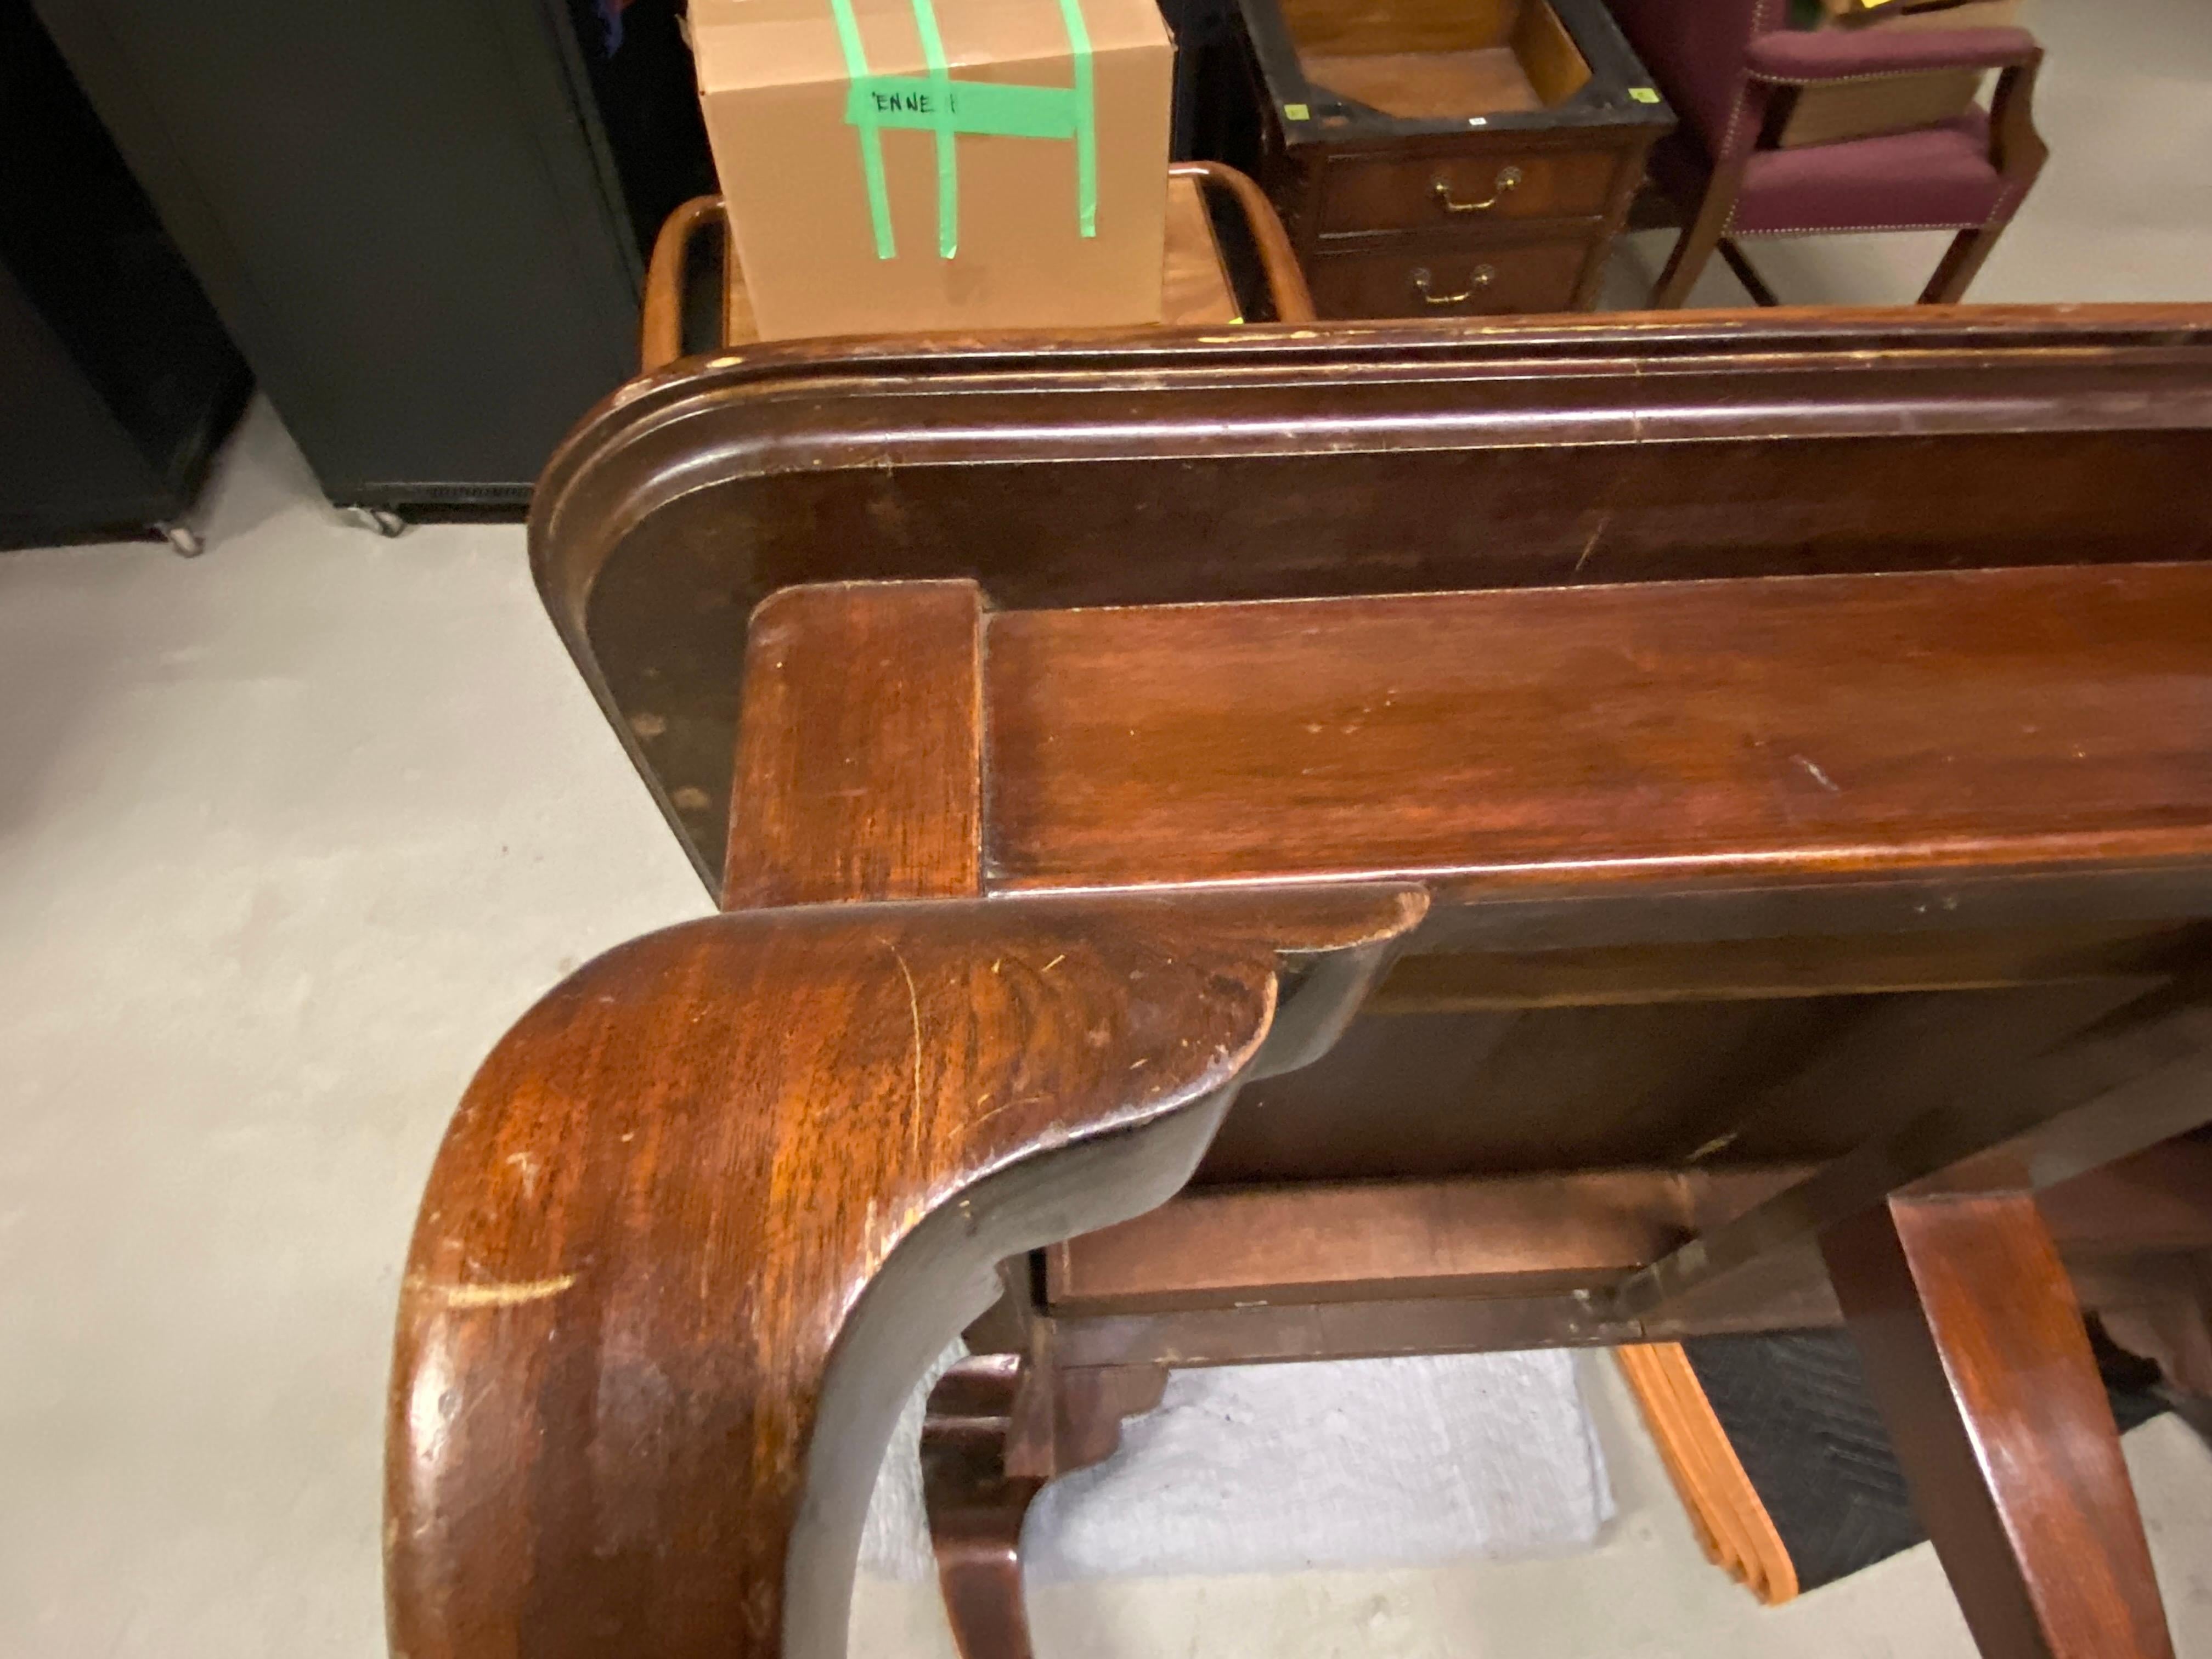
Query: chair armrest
[(1807, 57)]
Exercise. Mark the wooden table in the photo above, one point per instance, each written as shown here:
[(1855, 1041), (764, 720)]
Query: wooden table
[(1787, 853)]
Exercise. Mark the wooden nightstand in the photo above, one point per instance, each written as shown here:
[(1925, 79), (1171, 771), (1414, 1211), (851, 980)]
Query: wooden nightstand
[(1446, 160)]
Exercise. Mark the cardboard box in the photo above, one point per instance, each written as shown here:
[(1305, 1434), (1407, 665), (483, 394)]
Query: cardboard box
[(1865, 109), (900, 165)]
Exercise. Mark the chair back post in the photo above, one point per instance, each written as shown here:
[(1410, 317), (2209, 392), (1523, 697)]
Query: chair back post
[(2016, 149), (1697, 49)]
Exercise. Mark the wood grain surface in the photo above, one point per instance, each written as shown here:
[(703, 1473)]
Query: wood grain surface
[(861, 770), (1777, 728), (713, 1205), (1514, 1236), (1312, 1243)]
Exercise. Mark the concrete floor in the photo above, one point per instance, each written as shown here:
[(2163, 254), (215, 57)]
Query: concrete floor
[(288, 835)]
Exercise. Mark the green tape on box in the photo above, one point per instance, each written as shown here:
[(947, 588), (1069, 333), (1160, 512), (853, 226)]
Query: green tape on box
[(935, 102), (948, 158), (1086, 118), (912, 100)]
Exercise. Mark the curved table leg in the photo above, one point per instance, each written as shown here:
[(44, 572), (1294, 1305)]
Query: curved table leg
[(715, 1203), (982, 1465), (999, 1428)]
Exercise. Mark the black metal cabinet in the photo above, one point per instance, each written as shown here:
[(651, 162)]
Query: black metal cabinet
[(116, 382), (406, 212)]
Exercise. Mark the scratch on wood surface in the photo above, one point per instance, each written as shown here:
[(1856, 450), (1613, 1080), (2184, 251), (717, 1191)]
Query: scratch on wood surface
[(506, 1295), (1817, 776), (913, 1013), (1719, 1143), (1596, 532), (1007, 1106)]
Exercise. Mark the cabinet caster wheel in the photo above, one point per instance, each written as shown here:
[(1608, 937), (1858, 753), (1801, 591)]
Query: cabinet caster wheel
[(381, 519), (184, 539)]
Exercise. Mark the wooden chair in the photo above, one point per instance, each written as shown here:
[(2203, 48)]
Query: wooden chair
[(1566, 960), (1731, 67)]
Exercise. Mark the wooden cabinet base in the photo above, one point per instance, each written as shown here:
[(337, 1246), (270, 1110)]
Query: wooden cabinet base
[(1433, 161)]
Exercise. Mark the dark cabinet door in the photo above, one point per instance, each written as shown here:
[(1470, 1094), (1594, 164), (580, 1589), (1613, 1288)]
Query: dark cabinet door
[(68, 468), (404, 211), (116, 382)]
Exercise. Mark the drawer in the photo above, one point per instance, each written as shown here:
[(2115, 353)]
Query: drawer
[(1423, 192), (1449, 282)]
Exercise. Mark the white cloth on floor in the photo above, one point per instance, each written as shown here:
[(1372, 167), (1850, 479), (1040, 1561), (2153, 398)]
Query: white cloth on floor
[(1330, 1464)]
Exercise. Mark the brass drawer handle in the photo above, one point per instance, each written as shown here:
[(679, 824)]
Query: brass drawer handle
[(1480, 277), (1509, 180)]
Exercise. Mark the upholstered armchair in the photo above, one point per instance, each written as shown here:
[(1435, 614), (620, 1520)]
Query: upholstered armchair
[(1729, 66)]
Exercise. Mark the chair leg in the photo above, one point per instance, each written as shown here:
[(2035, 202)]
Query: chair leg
[(998, 1428), (2174, 1333), (1747, 273), (979, 1476), (1962, 262), (1975, 1353), (1696, 244)]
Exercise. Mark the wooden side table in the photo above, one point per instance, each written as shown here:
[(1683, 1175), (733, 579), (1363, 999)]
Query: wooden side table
[(1436, 160), (1196, 289), (1584, 961)]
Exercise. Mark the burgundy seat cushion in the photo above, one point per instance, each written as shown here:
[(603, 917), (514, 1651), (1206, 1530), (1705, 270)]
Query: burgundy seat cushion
[(1940, 177)]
